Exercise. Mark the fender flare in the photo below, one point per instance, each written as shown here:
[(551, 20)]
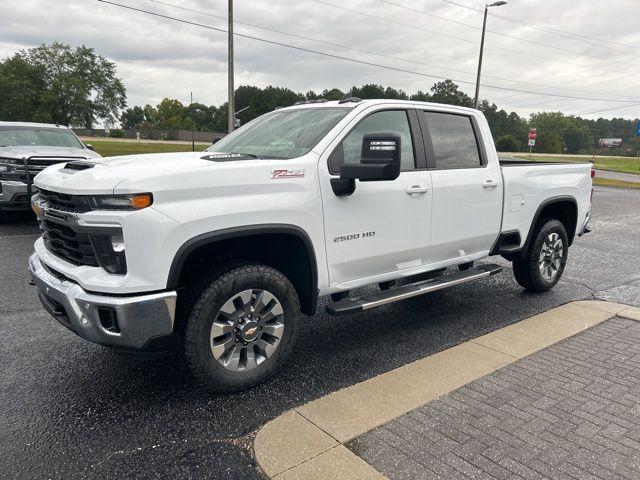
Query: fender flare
[(244, 231), (542, 206)]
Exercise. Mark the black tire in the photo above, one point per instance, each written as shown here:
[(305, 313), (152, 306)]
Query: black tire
[(208, 299), (527, 268)]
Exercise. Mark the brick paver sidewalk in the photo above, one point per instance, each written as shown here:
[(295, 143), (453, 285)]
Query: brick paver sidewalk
[(571, 411)]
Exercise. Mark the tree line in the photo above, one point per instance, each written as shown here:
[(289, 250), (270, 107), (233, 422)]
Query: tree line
[(557, 133), (77, 87)]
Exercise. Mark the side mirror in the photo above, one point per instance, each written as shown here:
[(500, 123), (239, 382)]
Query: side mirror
[(89, 146), (380, 161), (215, 140)]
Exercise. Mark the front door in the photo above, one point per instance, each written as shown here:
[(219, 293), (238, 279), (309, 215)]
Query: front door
[(383, 227)]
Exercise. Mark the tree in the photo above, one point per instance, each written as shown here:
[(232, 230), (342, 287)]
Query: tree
[(66, 86), (170, 115), (21, 91), (132, 117), (508, 143), (549, 142), (448, 92)]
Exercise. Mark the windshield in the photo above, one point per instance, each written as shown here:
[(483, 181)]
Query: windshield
[(282, 134), (17, 136)]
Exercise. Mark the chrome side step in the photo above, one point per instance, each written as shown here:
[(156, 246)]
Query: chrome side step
[(355, 305)]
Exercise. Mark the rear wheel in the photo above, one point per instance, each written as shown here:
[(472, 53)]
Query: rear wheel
[(543, 264), (242, 328)]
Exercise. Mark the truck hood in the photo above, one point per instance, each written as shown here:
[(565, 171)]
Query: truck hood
[(52, 152), (103, 175)]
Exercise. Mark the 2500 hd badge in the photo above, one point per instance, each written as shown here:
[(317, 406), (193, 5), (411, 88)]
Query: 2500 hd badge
[(353, 236)]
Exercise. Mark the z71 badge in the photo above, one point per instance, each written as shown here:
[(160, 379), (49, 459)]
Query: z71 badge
[(286, 173), (353, 236)]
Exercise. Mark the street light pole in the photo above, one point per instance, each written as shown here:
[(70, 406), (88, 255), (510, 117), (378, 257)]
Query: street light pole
[(231, 122), (484, 29)]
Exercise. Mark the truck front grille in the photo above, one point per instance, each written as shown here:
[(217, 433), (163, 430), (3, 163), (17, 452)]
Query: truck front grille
[(65, 203), (66, 243)]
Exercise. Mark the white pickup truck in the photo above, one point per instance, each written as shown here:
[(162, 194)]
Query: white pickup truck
[(219, 252)]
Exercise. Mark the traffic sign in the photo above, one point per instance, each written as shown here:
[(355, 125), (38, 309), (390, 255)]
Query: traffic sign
[(637, 128), (533, 134), (532, 142)]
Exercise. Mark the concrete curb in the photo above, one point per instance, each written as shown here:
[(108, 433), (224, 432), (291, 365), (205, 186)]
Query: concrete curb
[(307, 442)]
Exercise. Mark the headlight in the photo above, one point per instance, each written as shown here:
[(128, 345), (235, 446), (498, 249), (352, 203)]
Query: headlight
[(136, 201), (4, 168), (109, 250), (37, 205)]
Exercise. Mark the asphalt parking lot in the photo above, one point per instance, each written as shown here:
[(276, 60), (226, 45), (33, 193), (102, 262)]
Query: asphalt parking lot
[(75, 410)]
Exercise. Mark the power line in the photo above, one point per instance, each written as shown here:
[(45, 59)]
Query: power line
[(574, 36), (573, 52), (348, 59), (474, 42), (408, 60), (607, 109)]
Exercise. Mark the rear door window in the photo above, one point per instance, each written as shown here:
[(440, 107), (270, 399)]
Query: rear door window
[(454, 141)]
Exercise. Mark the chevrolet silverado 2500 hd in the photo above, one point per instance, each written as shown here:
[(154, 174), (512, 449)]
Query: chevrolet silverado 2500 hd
[(220, 251), (25, 150)]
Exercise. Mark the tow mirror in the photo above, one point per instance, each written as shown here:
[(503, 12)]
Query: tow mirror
[(380, 161)]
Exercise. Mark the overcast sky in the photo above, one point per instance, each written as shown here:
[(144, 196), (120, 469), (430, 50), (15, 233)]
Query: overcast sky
[(593, 54)]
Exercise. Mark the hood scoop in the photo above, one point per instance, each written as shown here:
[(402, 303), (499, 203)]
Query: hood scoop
[(76, 166)]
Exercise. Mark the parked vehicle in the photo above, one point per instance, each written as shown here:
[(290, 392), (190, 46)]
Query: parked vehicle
[(25, 150), (221, 251)]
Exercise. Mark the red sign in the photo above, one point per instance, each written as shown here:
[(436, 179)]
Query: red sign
[(533, 134)]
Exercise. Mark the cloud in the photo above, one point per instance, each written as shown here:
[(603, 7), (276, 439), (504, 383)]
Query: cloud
[(160, 58)]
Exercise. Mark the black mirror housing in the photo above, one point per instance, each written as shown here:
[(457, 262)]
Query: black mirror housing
[(380, 159)]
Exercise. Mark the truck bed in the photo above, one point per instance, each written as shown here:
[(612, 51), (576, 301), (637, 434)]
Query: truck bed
[(529, 185)]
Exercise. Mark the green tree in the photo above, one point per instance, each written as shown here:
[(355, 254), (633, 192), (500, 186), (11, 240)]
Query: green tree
[(132, 117), (64, 85), (508, 143), (448, 92), (333, 94), (22, 87), (170, 115), (549, 142)]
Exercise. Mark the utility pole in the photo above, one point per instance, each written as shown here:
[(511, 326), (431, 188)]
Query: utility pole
[(484, 28), (232, 117), (193, 140)]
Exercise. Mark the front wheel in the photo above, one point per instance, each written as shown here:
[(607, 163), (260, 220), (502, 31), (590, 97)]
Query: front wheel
[(242, 328), (543, 264)]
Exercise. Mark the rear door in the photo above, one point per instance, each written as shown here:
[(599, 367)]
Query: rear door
[(467, 186), (383, 227)]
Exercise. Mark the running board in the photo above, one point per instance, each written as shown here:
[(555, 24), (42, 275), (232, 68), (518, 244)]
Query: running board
[(355, 305)]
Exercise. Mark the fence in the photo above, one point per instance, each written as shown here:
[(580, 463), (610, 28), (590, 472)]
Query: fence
[(153, 134)]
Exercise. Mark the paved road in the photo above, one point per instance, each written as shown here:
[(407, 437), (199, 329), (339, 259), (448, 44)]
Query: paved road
[(625, 177), (75, 410)]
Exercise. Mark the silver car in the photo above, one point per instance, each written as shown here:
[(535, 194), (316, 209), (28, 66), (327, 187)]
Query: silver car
[(25, 150)]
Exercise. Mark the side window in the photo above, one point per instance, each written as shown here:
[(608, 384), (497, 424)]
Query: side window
[(387, 121), (454, 140)]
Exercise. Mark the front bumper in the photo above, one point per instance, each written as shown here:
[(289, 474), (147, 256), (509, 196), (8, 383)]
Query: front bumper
[(137, 323), (14, 196)]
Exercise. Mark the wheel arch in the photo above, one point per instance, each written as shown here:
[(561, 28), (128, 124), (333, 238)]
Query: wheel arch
[(285, 247), (563, 208)]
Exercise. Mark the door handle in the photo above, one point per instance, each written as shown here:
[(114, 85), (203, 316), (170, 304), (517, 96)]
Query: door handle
[(490, 184), (416, 190)]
